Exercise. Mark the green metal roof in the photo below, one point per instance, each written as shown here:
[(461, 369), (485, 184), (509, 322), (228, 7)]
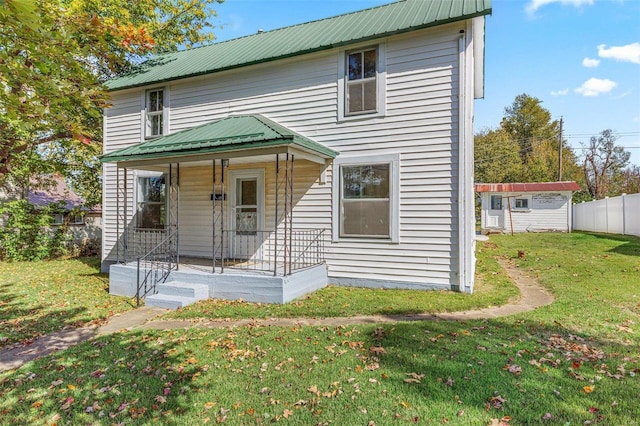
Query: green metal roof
[(228, 134), (399, 17)]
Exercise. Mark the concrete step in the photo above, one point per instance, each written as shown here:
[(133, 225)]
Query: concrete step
[(168, 301), (175, 294), (175, 288)]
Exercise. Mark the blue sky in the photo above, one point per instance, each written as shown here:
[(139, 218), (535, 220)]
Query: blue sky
[(581, 58)]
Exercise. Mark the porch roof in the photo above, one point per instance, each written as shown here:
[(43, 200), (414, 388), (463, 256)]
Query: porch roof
[(231, 135)]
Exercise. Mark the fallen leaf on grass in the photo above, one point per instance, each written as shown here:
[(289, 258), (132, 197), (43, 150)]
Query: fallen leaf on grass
[(377, 350), (513, 368), (496, 402), (588, 389), (314, 390), (414, 378), (67, 403)]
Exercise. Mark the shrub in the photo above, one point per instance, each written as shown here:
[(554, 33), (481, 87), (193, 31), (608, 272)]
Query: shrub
[(27, 233)]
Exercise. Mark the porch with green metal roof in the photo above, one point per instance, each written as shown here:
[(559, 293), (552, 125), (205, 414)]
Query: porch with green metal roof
[(240, 155)]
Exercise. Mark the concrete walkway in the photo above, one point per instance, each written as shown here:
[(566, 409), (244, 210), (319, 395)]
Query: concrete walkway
[(532, 296), (15, 357)]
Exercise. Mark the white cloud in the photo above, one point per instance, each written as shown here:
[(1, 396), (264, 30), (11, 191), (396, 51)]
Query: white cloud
[(534, 5), (559, 92), (628, 53), (595, 87), (590, 63)]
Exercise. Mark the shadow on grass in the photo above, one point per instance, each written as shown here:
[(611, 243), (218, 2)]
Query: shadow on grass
[(114, 379), (466, 372), (630, 244), (520, 369), (22, 323)]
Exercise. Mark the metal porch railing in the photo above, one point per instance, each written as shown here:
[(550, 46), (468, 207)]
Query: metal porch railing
[(154, 267), (268, 251)]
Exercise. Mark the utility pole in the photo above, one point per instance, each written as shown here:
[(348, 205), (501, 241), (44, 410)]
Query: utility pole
[(560, 152)]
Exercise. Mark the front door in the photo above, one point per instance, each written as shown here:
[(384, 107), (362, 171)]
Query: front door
[(246, 202)]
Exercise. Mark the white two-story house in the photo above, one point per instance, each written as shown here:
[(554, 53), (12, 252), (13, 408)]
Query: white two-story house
[(335, 151)]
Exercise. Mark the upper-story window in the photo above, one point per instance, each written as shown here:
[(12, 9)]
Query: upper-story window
[(155, 102), (362, 82)]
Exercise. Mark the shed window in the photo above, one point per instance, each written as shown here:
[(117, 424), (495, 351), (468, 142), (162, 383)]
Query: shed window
[(496, 202), (521, 203)]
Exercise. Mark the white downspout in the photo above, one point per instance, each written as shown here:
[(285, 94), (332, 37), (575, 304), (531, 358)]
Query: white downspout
[(466, 203)]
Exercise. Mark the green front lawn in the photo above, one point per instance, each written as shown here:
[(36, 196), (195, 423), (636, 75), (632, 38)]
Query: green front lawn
[(574, 362), (37, 298), (492, 288)]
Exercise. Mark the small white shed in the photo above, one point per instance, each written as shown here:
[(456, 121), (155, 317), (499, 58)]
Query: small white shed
[(526, 207)]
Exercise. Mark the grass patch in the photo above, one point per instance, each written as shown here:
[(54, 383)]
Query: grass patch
[(492, 288), (594, 277), (37, 298), (560, 364)]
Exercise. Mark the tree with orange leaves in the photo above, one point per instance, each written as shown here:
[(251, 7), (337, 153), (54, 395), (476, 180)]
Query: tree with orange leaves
[(55, 56)]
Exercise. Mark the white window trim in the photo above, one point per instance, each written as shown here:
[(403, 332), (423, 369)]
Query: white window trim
[(58, 222), (248, 173), (394, 195), (381, 95), (79, 219), (137, 174), (521, 197), (491, 204), (165, 114)]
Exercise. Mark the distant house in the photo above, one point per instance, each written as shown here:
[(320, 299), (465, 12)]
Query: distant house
[(335, 151), (526, 207), (83, 224)]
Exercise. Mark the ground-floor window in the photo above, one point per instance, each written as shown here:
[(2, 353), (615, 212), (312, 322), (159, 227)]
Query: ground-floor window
[(151, 208), (366, 192)]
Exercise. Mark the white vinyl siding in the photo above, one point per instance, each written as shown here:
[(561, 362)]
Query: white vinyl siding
[(546, 211), (420, 124), (122, 128)]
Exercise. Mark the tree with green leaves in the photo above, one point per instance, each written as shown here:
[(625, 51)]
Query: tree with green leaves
[(604, 164), (528, 123), (497, 158), (55, 56), (524, 148)]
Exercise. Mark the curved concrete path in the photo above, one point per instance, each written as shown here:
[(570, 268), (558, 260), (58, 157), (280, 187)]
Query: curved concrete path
[(531, 296)]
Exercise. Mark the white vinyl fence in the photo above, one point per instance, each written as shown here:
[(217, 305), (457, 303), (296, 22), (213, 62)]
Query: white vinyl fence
[(615, 215)]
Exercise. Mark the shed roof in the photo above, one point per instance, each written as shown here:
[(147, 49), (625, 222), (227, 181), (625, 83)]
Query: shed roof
[(222, 136), (382, 21), (527, 187)]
